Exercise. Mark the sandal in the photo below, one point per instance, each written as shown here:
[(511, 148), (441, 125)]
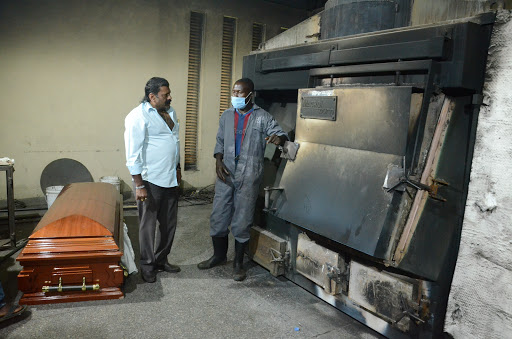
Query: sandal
[(12, 312)]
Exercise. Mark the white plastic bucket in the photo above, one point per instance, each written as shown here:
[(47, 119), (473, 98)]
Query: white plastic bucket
[(51, 194), (112, 180)]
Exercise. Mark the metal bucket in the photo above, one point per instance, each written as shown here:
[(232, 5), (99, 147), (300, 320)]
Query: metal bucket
[(112, 180), (51, 194)]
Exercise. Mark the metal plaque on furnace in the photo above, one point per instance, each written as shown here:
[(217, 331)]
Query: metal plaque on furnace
[(318, 107)]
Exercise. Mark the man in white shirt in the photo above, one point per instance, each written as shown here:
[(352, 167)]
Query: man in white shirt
[(153, 158)]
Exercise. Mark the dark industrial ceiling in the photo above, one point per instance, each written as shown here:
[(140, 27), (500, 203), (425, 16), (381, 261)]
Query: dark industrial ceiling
[(308, 5)]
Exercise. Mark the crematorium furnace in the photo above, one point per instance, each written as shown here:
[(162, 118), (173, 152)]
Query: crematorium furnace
[(368, 215)]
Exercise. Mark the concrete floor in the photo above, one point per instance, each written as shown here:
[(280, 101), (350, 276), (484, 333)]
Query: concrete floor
[(189, 304)]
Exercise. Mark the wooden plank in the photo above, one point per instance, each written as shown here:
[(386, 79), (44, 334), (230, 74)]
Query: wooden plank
[(265, 248)]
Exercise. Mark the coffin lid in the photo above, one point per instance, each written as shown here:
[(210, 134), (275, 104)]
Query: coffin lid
[(81, 210)]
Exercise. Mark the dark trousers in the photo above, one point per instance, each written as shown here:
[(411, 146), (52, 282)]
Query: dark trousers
[(161, 205)]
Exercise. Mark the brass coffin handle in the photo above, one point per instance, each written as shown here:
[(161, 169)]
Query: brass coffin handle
[(60, 288)]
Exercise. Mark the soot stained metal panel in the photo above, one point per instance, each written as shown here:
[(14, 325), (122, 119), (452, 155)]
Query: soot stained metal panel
[(319, 264), (299, 61), (334, 186), (381, 293), (337, 192), (432, 48), (373, 119)]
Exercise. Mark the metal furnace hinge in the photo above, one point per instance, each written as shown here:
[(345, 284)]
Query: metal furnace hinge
[(268, 190), (410, 310), (397, 180), (277, 257), (339, 275)]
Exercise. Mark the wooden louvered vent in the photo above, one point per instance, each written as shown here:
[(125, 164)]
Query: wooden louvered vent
[(194, 70), (258, 35), (228, 43)]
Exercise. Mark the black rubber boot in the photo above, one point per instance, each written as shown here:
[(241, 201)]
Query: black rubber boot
[(238, 265), (220, 250)]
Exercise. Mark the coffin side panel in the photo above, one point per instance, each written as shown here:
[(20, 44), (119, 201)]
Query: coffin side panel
[(106, 273)]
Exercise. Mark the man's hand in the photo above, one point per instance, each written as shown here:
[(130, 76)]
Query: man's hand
[(276, 139), (221, 169), (178, 175), (141, 194)]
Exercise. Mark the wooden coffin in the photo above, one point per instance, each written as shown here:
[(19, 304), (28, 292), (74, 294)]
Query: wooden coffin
[(74, 252)]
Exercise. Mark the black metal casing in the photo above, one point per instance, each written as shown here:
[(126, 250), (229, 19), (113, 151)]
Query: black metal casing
[(333, 190)]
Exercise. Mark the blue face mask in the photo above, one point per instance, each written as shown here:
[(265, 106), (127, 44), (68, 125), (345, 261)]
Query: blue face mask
[(239, 102)]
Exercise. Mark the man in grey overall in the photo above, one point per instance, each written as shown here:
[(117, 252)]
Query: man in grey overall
[(153, 158), (244, 131)]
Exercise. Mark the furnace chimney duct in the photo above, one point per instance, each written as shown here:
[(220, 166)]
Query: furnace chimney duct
[(348, 17)]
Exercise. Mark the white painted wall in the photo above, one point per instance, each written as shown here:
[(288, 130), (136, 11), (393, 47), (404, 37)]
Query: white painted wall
[(480, 304), (70, 71), (431, 11)]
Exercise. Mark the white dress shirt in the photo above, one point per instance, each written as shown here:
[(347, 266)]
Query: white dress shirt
[(152, 148)]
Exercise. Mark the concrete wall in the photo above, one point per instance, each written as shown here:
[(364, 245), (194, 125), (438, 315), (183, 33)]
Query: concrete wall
[(480, 304), (70, 71), (305, 32)]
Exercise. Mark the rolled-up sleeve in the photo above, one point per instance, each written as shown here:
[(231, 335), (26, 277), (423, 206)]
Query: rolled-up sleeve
[(134, 135)]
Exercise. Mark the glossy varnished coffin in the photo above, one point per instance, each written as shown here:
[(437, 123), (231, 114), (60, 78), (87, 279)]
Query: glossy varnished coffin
[(77, 241)]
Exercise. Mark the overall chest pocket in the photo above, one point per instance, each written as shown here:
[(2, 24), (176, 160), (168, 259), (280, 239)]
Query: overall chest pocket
[(258, 125)]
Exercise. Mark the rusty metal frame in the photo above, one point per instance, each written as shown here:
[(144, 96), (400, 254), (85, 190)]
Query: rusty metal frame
[(427, 178)]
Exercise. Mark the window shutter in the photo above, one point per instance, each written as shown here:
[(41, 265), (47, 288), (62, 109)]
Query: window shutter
[(228, 42), (258, 35), (194, 70)]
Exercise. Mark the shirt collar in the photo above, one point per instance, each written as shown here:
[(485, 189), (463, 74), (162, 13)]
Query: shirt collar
[(146, 106), (244, 114)]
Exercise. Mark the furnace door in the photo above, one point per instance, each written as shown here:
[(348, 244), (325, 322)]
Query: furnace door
[(348, 138)]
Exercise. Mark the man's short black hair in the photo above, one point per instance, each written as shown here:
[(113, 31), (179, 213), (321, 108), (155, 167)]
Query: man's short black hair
[(153, 86), (247, 82)]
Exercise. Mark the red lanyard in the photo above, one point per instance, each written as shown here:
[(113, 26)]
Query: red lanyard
[(246, 120)]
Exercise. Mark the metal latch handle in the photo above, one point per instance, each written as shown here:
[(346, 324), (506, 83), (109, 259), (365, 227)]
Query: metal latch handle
[(275, 258)]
